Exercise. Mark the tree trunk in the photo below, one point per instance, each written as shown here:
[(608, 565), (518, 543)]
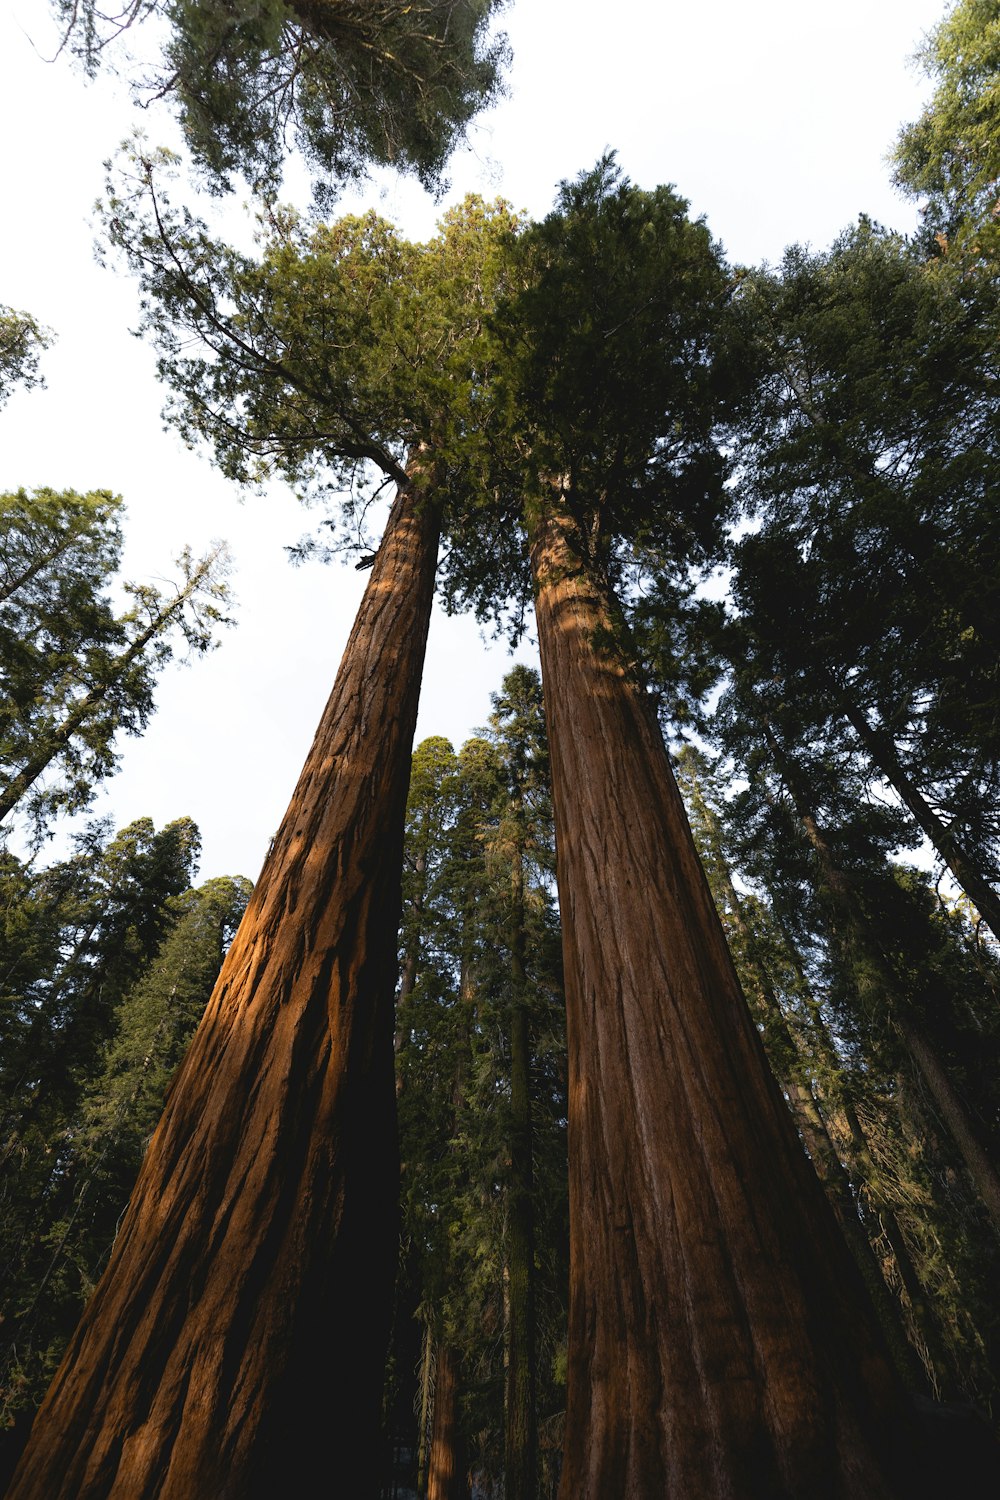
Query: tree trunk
[(720, 1340), (520, 1416), (838, 889), (447, 1473), (235, 1345), (786, 1058), (885, 757)]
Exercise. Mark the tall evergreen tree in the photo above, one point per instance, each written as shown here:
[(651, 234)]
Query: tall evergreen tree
[(867, 465), (301, 1021), (482, 1096), (668, 1189)]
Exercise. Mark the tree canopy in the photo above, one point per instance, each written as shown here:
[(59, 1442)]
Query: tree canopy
[(351, 83), (950, 155)]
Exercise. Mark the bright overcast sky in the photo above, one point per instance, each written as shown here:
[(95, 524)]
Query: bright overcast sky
[(773, 119)]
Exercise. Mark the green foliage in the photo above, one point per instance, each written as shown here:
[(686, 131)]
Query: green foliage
[(826, 976), (620, 374), (871, 578), (75, 668), (108, 960), (950, 156), (335, 351), (22, 340), (477, 892), (350, 82)]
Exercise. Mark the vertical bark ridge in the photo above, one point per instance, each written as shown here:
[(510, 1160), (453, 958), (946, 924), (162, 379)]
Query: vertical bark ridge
[(234, 1347), (721, 1343)]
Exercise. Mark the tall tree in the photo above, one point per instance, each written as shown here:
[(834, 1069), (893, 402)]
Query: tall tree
[(266, 1203), (703, 1256), (866, 464), (306, 1262), (482, 1117)]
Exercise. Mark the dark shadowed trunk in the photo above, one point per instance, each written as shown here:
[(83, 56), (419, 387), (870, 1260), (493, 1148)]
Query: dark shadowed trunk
[(520, 1416), (235, 1346), (447, 1472), (720, 1340)]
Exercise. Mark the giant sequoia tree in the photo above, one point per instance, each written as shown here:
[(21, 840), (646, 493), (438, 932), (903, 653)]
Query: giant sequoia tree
[(720, 1342), (266, 1205)]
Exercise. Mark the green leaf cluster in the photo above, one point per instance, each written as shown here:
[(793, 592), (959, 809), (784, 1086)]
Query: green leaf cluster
[(22, 339), (76, 669), (351, 83), (950, 156)]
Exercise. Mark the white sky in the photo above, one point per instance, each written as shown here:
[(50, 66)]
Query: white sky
[(774, 119)]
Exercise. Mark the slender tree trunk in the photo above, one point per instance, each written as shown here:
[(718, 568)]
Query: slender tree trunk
[(840, 895), (885, 757), (408, 978), (520, 1416), (720, 1340), (235, 1345), (425, 1415), (447, 1471)]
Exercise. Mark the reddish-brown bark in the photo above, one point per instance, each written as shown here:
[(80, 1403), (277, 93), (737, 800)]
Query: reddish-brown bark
[(235, 1346), (720, 1340), (447, 1473)]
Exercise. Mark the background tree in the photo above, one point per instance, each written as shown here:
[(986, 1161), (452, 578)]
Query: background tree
[(950, 156), (75, 670), (22, 340), (482, 1106), (867, 465), (70, 1166)]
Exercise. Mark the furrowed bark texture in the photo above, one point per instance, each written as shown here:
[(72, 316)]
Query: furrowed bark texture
[(447, 1475), (234, 1349), (720, 1340)]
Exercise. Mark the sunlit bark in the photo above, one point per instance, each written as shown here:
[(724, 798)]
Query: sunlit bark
[(235, 1346)]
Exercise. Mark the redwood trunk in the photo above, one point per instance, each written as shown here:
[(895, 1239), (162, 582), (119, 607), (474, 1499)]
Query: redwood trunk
[(720, 1340), (447, 1475), (235, 1346)]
